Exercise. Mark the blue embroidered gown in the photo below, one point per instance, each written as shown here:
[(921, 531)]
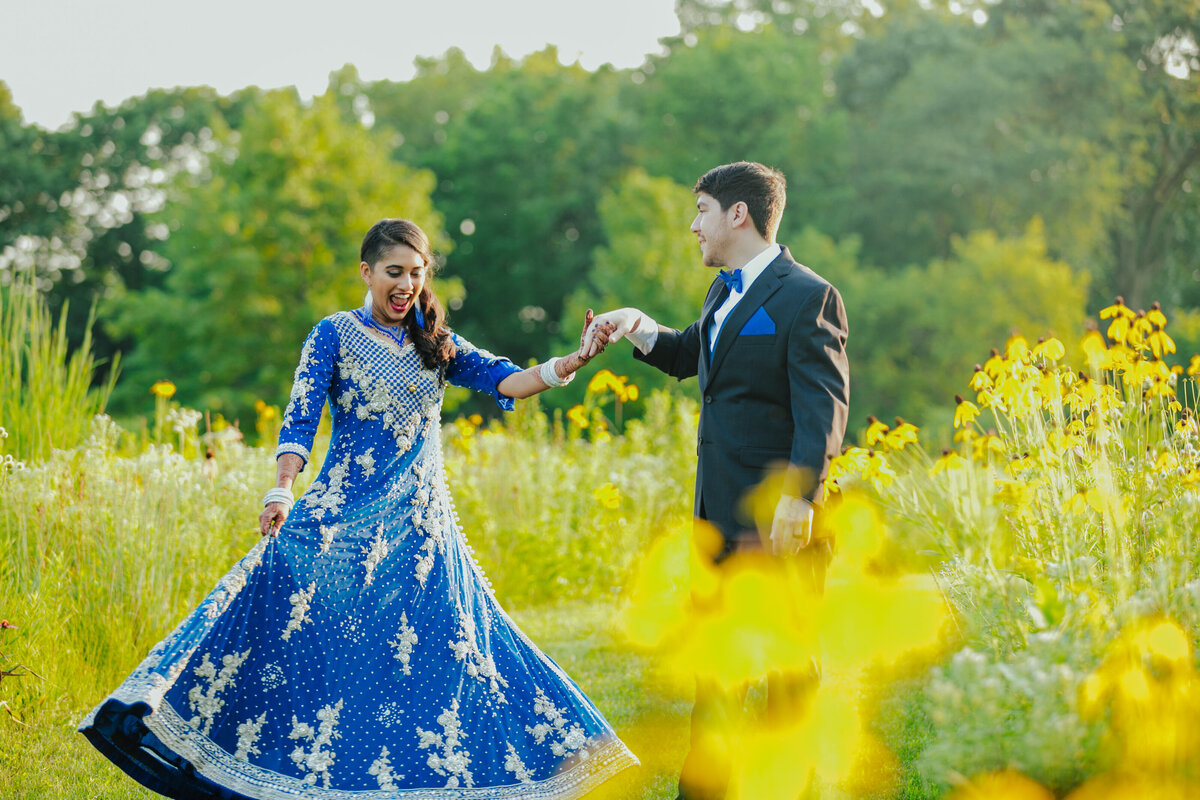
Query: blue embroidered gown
[(360, 654)]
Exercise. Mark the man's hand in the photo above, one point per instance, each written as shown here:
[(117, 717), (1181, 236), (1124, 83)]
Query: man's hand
[(791, 529), (623, 320)]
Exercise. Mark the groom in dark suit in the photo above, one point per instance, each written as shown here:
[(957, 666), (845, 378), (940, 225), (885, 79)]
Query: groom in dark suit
[(769, 350)]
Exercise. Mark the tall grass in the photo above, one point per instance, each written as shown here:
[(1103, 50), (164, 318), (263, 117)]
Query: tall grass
[(46, 397)]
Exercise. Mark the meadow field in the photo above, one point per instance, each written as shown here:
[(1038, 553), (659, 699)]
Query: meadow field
[(1010, 613)]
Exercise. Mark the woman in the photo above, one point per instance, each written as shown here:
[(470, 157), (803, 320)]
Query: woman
[(357, 650)]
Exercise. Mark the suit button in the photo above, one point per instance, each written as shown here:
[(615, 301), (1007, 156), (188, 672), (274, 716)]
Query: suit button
[(699, 440), (708, 398)]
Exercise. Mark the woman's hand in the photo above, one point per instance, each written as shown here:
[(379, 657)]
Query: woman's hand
[(591, 344), (272, 518)]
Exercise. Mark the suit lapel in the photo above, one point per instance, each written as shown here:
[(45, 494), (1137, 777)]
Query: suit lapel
[(716, 295), (764, 286)]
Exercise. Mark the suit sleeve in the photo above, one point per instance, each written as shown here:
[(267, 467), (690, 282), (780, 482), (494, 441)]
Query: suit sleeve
[(819, 381), (676, 353)]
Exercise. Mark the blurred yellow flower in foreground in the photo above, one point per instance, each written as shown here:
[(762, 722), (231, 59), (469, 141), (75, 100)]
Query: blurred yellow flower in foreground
[(607, 495), (578, 416), (163, 389), (619, 385), (1006, 785), (709, 621)]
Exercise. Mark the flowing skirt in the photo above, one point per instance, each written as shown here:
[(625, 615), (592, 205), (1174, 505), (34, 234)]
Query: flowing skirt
[(363, 659)]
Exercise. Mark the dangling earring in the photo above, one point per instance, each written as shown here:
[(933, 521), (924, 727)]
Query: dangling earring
[(420, 317)]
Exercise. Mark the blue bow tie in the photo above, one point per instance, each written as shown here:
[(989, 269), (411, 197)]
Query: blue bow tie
[(733, 280)]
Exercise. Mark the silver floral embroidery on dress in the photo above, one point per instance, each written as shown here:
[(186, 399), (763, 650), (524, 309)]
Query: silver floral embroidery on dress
[(247, 735), (381, 768), (452, 761), (327, 534), (318, 760), (204, 701), (375, 553), (301, 386), (367, 462), (404, 642), (513, 764), (330, 498), (563, 739), (479, 666), (234, 580), (300, 601)]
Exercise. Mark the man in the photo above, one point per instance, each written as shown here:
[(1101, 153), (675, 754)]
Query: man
[(769, 350)]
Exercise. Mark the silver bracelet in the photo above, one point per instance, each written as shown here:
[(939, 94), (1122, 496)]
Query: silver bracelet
[(279, 495), (549, 374)]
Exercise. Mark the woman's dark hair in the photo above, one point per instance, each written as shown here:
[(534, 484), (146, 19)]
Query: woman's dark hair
[(432, 342)]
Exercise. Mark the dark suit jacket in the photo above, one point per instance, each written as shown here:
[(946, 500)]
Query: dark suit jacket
[(768, 397)]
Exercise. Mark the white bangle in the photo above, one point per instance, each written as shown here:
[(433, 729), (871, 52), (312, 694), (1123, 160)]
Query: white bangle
[(281, 496), (549, 374)]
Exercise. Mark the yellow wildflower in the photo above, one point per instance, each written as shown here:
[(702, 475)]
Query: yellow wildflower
[(1139, 330), (994, 365), (578, 415), (631, 391), (607, 495), (1051, 349), (602, 380), (878, 471), (1166, 462), (1016, 348), (164, 389), (475, 420), (876, 431), (950, 460), (1095, 350), (965, 411), (966, 435), (983, 448), (1117, 310), (1160, 343), (1194, 366), (1156, 317), (904, 433), (981, 380)]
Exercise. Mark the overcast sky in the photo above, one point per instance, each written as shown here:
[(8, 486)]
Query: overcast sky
[(61, 56)]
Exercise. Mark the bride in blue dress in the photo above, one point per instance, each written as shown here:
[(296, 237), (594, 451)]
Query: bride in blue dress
[(357, 650)]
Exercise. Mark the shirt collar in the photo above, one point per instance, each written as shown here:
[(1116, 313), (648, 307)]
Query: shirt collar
[(756, 265)]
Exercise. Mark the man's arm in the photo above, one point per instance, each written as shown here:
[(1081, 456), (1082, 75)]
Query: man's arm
[(819, 382), (674, 352)]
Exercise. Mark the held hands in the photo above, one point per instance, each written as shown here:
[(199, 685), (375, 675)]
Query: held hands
[(791, 529), (592, 341), (618, 323)]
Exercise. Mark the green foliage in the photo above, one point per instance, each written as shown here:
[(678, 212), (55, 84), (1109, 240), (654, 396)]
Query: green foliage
[(521, 160), (651, 262), (263, 246), (722, 96), (988, 289), (46, 397)]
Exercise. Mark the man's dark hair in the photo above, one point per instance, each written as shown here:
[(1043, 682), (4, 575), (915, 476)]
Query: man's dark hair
[(762, 188)]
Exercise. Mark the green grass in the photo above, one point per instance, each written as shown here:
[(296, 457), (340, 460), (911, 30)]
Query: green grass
[(48, 760)]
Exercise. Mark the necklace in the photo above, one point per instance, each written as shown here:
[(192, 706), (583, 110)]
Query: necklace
[(368, 319)]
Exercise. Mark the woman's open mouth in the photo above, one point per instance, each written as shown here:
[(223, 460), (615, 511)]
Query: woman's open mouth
[(399, 303)]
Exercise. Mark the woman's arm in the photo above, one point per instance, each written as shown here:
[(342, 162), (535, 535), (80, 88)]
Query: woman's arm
[(529, 382), (274, 514)]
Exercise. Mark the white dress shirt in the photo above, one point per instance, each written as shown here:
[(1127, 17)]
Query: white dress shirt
[(645, 337), (752, 270)]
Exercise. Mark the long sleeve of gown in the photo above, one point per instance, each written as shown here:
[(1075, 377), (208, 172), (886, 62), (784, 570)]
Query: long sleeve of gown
[(481, 371), (310, 387)]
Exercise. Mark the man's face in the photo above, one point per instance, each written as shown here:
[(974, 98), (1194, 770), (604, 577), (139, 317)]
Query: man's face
[(713, 230)]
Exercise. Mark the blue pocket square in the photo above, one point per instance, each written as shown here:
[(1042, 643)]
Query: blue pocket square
[(759, 324)]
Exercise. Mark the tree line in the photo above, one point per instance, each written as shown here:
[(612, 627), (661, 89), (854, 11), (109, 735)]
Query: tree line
[(959, 169)]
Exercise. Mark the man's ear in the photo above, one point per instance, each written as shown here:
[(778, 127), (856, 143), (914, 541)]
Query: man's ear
[(740, 215)]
